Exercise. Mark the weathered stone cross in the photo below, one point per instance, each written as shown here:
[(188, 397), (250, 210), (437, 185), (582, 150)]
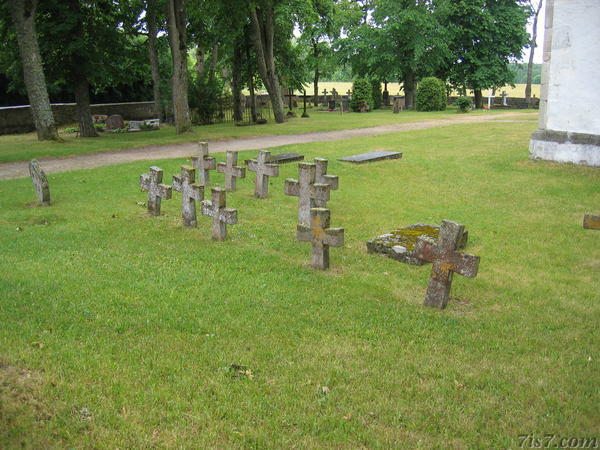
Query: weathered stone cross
[(152, 182), (40, 182), (321, 177), (307, 191), (446, 260), (263, 172), (190, 194), (204, 164), (591, 222), (221, 215), (320, 236), (231, 170)]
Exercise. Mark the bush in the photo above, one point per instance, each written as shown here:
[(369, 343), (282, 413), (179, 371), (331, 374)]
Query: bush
[(205, 99), (362, 95), (376, 93), (431, 95), (463, 104)]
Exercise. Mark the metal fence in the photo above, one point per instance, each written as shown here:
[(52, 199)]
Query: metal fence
[(224, 114)]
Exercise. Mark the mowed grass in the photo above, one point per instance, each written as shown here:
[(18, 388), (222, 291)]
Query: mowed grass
[(119, 329), (21, 147)]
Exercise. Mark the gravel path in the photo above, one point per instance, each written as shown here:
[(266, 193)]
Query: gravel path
[(184, 150)]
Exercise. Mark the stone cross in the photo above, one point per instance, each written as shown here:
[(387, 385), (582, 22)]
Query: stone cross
[(591, 222), (231, 170), (320, 236), (40, 182), (263, 172), (504, 98), (446, 260), (152, 182), (204, 164), (190, 194), (221, 215), (325, 97), (321, 177), (307, 191)]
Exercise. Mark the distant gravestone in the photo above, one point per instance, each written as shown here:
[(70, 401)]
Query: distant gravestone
[(40, 182), (204, 164), (263, 171), (446, 261), (135, 125), (152, 183), (320, 236), (504, 98), (378, 155), (397, 105), (591, 222), (283, 158), (190, 194), (221, 216), (307, 191), (114, 122), (231, 170)]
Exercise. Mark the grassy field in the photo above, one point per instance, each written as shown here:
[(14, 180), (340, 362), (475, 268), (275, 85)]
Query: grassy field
[(19, 147), (120, 330)]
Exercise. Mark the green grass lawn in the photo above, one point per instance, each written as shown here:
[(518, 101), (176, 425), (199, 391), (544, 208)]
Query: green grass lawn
[(20, 147), (119, 330)]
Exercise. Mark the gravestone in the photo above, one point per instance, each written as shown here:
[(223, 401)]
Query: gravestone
[(504, 98), (446, 261), (263, 171), (397, 105), (386, 94), (221, 216), (40, 182), (190, 194), (333, 103), (204, 164), (152, 183), (135, 125), (333, 181), (281, 158), (114, 122), (231, 170), (591, 222), (320, 236), (378, 155), (304, 113), (324, 97), (307, 191)]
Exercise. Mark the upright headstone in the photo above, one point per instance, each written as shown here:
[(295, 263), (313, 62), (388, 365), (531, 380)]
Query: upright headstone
[(307, 191), (320, 236), (152, 183), (396, 105), (446, 260), (40, 182), (324, 97), (204, 164), (333, 102), (231, 170), (114, 122), (591, 222), (263, 171), (504, 98), (190, 194), (221, 216)]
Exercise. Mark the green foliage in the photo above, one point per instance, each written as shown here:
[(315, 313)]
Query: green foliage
[(376, 94), (520, 73), (362, 95), (206, 96), (431, 95), (463, 103)]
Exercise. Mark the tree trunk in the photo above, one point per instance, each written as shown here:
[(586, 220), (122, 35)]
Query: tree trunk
[(263, 25), (530, 63), (81, 87), (177, 26), (200, 61), (23, 17), (153, 57), (409, 89), (214, 59), (478, 98), (236, 82)]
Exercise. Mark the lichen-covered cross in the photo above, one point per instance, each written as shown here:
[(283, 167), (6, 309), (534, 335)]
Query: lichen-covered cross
[(152, 183), (190, 194), (204, 164), (591, 222), (446, 261), (263, 170), (231, 170), (320, 236), (221, 215), (321, 177), (307, 191)]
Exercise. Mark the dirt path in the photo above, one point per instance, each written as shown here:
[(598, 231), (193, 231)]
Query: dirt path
[(155, 152)]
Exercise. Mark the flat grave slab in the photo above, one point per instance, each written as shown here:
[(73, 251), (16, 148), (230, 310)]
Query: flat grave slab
[(378, 155), (282, 158), (591, 222), (400, 244)]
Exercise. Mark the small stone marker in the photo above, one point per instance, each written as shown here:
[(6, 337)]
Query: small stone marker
[(152, 183), (591, 222), (446, 260), (320, 236), (321, 176), (190, 194), (231, 170), (114, 122), (378, 155), (40, 182), (307, 191), (263, 170), (204, 164), (221, 215)]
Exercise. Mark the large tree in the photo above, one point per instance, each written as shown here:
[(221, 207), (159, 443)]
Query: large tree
[(23, 14)]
